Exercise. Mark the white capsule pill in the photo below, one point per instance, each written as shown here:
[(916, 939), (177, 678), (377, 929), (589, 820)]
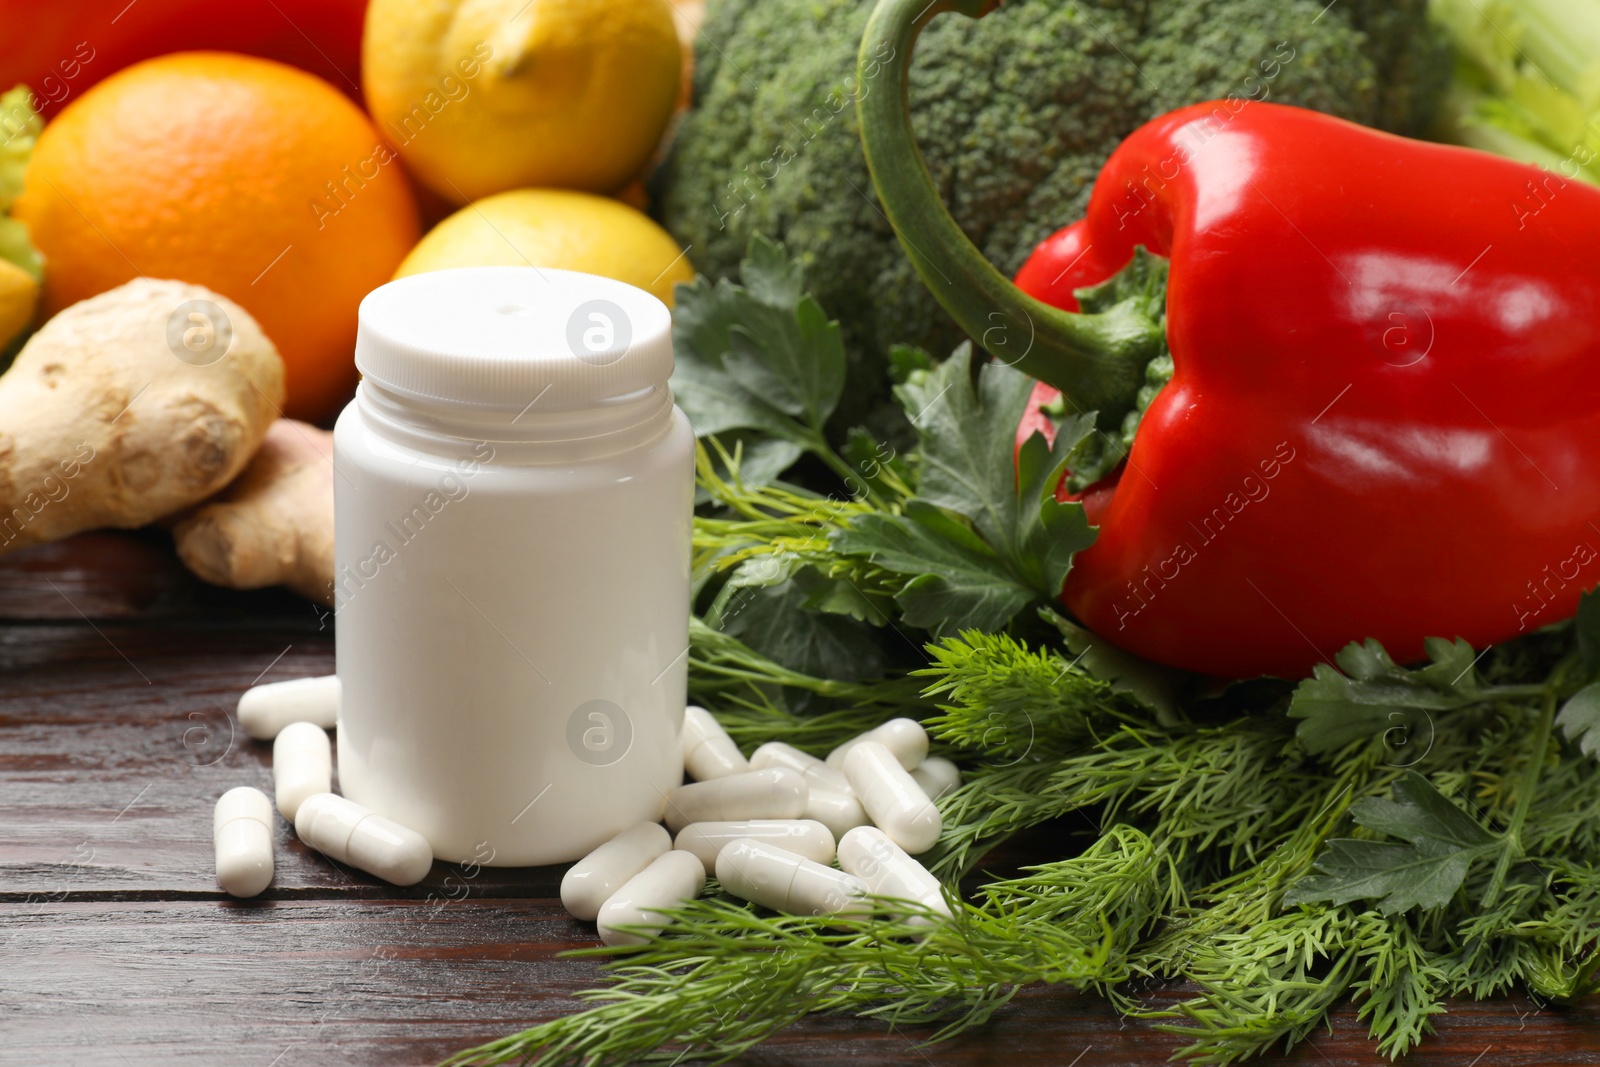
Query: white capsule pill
[(831, 802), (671, 879), (241, 830), (838, 810), (803, 837), (343, 830), (893, 798), (888, 871), (708, 751), (302, 765), (904, 737), (816, 772), (591, 881), (775, 793), (264, 710), (937, 776), (778, 879)]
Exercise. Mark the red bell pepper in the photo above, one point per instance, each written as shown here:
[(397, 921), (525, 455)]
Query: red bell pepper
[(59, 48), (1384, 415)]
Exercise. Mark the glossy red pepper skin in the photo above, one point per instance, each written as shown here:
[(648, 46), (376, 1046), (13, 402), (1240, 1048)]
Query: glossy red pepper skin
[(1384, 419), (59, 48)]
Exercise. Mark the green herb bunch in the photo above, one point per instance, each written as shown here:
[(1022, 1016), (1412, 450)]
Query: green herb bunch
[(1392, 835)]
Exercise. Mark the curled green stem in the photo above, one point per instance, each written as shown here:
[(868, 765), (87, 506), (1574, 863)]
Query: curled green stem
[(1096, 359)]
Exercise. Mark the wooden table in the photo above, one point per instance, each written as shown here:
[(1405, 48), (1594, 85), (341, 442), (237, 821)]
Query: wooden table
[(118, 677)]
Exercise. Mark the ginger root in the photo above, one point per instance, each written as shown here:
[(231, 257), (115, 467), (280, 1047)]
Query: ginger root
[(274, 526), (129, 406)]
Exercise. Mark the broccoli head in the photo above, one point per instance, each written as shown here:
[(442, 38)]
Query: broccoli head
[(1015, 114)]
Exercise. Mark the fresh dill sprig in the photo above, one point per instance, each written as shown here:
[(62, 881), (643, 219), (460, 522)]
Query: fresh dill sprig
[(1015, 703), (991, 805), (1197, 830), (725, 976), (1232, 814), (754, 696)]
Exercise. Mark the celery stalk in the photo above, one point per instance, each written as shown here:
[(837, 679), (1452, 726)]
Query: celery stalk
[(1528, 80)]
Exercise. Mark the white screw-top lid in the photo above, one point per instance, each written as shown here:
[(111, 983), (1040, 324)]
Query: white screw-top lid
[(511, 337)]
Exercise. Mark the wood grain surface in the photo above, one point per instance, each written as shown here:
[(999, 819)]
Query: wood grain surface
[(118, 678)]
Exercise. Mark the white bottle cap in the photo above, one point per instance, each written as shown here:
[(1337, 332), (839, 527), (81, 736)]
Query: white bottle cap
[(514, 337)]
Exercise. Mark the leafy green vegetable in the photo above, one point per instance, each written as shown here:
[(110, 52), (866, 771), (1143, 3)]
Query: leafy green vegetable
[(757, 698), (955, 578), (761, 356), (1179, 847), (1528, 84), (1153, 686), (1374, 698), (1012, 702), (782, 589), (965, 533), (827, 641), (984, 537), (1579, 719), (727, 977), (1443, 841)]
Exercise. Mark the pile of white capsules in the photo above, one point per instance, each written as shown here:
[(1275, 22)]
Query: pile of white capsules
[(296, 717), (767, 828)]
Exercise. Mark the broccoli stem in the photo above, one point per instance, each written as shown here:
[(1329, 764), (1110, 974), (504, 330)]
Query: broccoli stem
[(1098, 360)]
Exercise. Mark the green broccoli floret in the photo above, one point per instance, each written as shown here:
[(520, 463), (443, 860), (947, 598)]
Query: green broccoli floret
[(1015, 113)]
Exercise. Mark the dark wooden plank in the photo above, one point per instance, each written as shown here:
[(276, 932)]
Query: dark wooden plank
[(115, 741), (303, 983), (114, 574)]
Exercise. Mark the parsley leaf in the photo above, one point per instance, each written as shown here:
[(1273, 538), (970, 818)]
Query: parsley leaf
[(1374, 698), (957, 581), (765, 607), (984, 536), (759, 356), (1579, 719), (1442, 843)]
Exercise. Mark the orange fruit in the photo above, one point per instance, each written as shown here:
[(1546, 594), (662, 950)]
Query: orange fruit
[(244, 175)]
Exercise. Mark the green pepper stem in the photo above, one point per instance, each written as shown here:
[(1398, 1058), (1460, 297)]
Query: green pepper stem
[(1097, 360)]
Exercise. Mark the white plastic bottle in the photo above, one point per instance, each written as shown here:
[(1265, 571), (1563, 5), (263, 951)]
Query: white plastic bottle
[(513, 496)]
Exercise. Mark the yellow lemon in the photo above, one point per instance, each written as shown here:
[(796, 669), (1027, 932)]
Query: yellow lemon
[(555, 228), (482, 96), (19, 295)]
